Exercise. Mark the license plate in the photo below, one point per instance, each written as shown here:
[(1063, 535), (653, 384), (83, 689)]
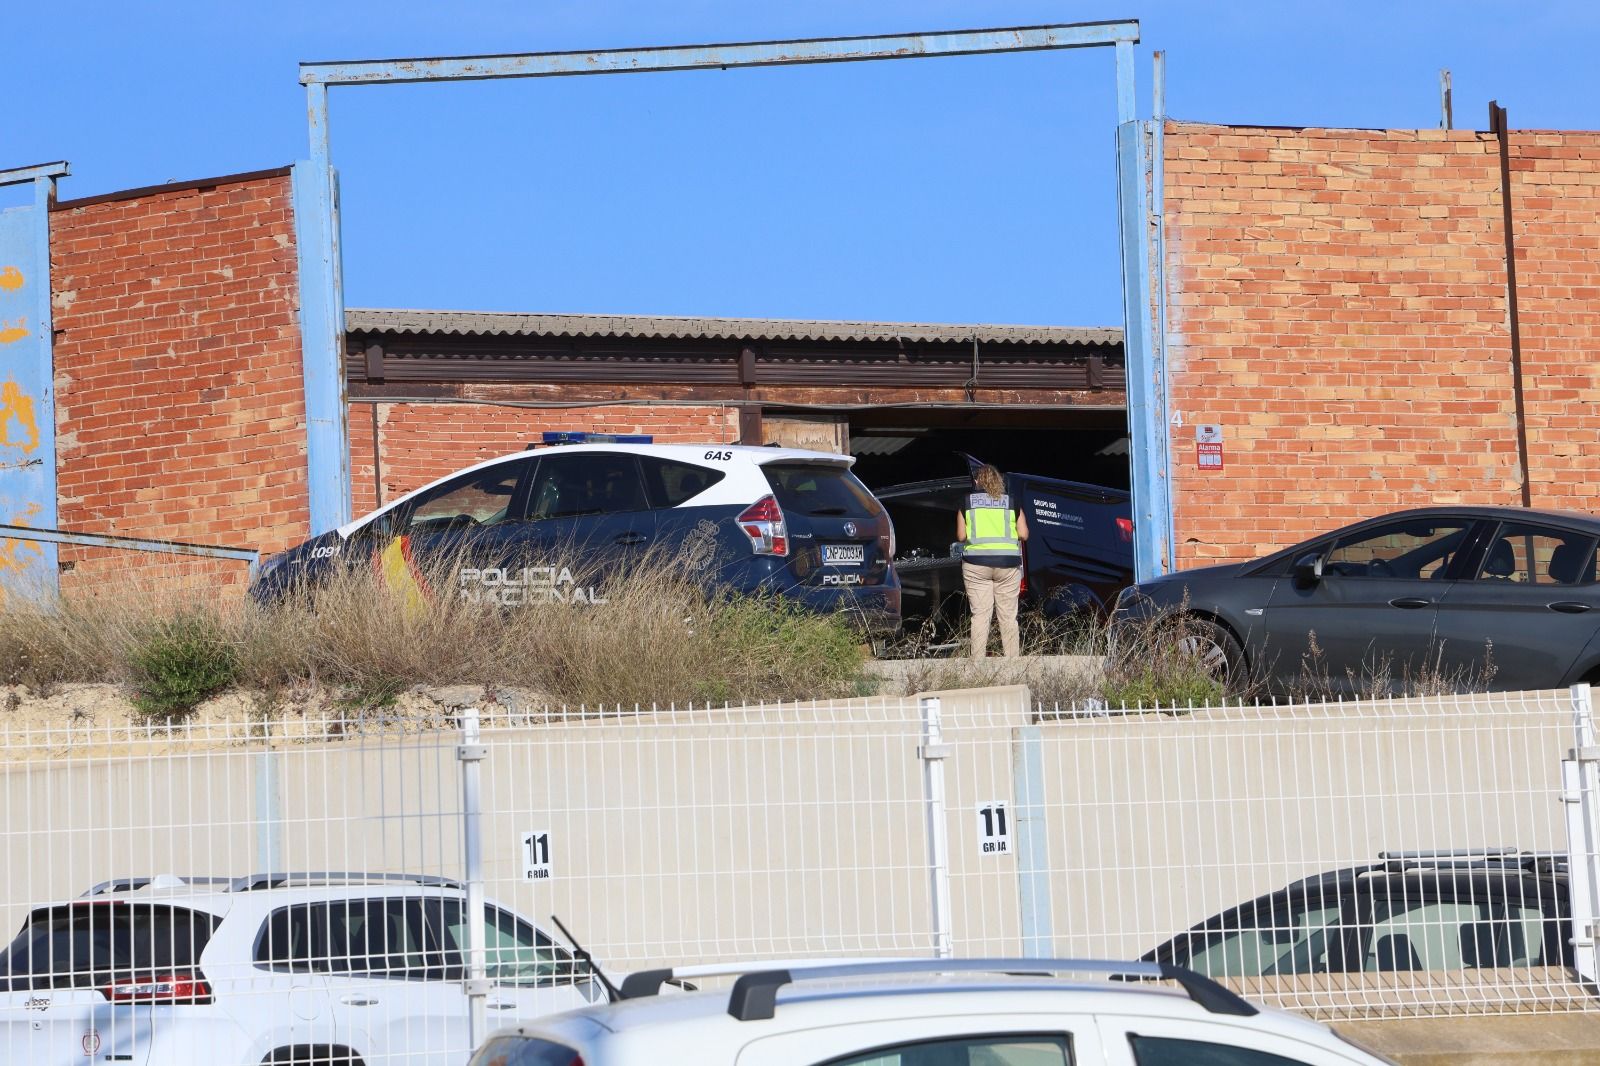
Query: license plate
[(835, 554)]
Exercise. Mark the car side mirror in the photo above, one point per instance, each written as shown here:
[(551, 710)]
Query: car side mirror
[(1308, 569)]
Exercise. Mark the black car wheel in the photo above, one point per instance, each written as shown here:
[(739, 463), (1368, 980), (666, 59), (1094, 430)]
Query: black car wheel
[(1216, 649)]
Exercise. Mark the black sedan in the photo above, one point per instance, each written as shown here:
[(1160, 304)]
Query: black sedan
[(1440, 598), (1410, 911)]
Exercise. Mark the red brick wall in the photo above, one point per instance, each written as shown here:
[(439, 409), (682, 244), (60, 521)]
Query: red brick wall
[(421, 442), (1337, 304), (179, 407), (1555, 199)]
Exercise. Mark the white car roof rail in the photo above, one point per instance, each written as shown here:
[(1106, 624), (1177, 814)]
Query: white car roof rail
[(133, 884), (644, 983), (755, 993), (256, 882)]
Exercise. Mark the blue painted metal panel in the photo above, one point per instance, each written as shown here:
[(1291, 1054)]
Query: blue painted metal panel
[(1147, 419), (322, 345), (27, 390), (1034, 907), (716, 56)]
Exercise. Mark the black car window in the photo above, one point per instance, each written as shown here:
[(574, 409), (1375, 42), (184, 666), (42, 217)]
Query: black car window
[(474, 500), (1431, 934), (1165, 1051), (820, 489), (1281, 940), (1526, 554), (1408, 549), (1524, 941), (89, 944), (517, 953), (383, 937), (1009, 1050), (291, 939), (670, 483), (570, 486)]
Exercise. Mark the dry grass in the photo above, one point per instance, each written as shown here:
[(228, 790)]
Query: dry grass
[(656, 637), (1079, 661)]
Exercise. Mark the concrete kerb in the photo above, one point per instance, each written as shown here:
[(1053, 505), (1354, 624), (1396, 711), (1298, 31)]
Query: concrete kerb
[(899, 677)]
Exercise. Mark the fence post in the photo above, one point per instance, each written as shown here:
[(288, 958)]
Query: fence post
[(470, 752), (1033, 850), (1580, 783), (933, 752), (269, 813)]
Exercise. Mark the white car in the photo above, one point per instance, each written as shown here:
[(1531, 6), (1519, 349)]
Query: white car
[(946, 1012), (291, 969)]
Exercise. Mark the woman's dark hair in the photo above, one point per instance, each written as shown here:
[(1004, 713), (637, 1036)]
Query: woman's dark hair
[(990, 481)]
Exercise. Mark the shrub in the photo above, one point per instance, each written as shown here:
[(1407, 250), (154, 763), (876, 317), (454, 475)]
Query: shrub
[(178, 662)]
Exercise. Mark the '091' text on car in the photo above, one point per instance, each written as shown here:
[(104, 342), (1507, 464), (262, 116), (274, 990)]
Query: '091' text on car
[(539, 526), (1475, 598)]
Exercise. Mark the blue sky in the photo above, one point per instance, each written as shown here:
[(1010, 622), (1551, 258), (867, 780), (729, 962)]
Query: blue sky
[(953, 190)]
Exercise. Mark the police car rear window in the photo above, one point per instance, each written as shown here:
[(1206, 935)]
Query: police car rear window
[(670, 483), (820, 489)]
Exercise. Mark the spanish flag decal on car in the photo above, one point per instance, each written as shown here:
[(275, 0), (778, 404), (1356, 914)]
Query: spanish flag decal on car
[(400, 574)]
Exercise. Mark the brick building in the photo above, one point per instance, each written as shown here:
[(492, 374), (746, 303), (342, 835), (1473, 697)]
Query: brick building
[(1338, 306), (1337, 309)]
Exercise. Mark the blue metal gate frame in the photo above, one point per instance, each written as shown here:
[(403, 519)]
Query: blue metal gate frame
[(1139, 227), (27, 384)]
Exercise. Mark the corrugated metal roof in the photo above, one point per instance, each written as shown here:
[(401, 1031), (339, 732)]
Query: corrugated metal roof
[(492, 323)]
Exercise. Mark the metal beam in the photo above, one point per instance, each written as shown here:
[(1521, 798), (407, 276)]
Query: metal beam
[(21, 175), (141, 544), (721, 56)]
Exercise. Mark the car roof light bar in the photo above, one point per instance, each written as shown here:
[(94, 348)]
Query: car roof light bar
[(552, 437), (755, 995), (255, 882)]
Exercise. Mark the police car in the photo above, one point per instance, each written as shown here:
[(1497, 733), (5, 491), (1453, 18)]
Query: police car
[(540, 526), (945, 1012)]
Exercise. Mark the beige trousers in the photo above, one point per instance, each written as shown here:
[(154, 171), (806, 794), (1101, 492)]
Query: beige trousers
[(993, 590)]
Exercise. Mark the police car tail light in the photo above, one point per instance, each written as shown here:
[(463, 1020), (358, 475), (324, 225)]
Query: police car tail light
[(1125, 530), (176, 986), (763, 523)]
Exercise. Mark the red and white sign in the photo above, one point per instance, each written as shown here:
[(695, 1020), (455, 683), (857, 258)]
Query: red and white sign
[(1208, 455)]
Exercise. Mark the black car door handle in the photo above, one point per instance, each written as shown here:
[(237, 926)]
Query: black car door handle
[(1569, 606), (1410, 603), (629, 539)]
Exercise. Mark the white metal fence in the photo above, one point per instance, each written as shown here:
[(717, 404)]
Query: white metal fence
[(961, 824)]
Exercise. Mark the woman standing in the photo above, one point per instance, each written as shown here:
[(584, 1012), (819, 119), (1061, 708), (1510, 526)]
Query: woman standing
[(991, 560)]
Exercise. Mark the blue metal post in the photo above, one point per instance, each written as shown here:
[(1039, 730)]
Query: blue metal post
[(269, 813), (27, 386), (1158, 334), (1146, 378), (316, 222), (1127, 105), (1033, 844)]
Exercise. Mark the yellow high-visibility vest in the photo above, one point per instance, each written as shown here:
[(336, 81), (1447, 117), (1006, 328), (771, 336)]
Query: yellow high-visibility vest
[(991, 528)]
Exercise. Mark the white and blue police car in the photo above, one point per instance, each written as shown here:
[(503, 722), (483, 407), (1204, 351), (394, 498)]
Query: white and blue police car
[(539, 526)]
